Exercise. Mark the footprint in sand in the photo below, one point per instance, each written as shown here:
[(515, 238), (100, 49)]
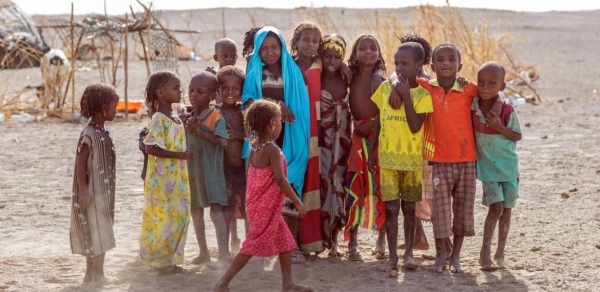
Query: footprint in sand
[(54, 280)]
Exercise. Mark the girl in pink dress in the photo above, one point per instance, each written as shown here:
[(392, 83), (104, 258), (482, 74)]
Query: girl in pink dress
[(268, 233)]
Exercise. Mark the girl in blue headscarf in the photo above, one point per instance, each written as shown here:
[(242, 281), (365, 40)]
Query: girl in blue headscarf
[(273, 74)]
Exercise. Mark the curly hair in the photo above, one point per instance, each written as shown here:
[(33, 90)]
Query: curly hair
[(249, 40), (296, 37), (95, 99), (258, 116), (424, 43), (156, 81), (231, 70), (446, 45), (353, 61)]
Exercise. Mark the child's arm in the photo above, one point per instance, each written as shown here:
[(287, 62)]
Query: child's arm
[(415, 121), (84, 198), (159, 152), (374, 141), (275, 161), (346, 72), (494, 122), (196, 128)]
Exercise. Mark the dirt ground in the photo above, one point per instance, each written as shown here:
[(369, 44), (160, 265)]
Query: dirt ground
[(553, 245)]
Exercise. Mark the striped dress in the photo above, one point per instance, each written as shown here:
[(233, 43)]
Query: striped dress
[(91, 229)]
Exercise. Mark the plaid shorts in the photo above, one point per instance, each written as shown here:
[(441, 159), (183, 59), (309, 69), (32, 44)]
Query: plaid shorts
[(454, 194)]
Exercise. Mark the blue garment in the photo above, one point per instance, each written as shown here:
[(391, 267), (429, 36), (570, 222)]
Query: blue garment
[(296, 135)]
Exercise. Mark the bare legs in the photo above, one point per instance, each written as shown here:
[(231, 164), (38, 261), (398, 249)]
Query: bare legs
[(502, 237), (410, 218), (199, 228), (219, 215), (494, 214), (94, 271), (391, 227), (285, 260)]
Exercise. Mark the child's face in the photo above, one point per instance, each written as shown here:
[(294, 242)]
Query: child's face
[(445, 63), (367, 52), (331, 60), (226, 54), (230, 87), (276, 124), (406, 64), (270, 50), (489, 83), (308, 42), (111, 108), (171, 91), (200, 93)]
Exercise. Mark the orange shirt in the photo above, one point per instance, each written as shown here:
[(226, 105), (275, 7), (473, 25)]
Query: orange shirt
[(448, 132)]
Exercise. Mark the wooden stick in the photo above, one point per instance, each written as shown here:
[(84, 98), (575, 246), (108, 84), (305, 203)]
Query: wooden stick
[(126, 67), (166, 31), (73, 58), (143, 46)]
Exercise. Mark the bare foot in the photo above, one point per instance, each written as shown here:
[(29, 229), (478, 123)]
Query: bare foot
[(439, 265), (500, 261), (392, 264), (334, 251), (219, 265), (410, 263), (99, 281), (202, 258), (486, 263), (296, 288), (87, 279), (455, 265), (220, 287)]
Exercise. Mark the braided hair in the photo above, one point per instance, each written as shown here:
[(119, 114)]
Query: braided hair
[(95, 99), (296, 37), (249, 40), (353, 60), (156, 81), (424, 43), (258, 116)]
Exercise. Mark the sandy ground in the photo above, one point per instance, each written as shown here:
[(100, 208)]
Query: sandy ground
[(554, 244)]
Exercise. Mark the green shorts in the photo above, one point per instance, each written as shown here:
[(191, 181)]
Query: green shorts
[(399, 184), (506, 192)]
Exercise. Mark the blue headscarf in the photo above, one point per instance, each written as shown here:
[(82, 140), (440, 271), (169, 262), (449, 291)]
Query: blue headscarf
[(296, 135)]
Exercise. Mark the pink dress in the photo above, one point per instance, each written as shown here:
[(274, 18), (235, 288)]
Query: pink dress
[(268, 234)]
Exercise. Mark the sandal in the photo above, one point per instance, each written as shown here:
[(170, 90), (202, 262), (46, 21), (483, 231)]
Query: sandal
[(355, 257), (380, 255)]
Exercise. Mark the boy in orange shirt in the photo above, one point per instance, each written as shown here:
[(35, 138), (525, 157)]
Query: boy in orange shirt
[(450, 145)]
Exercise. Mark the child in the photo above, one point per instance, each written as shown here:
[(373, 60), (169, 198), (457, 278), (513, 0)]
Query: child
[(267, 186), (272, 74), (166, 187), (249, 42), (306, 44), (398, 135), (231, 82), (450, 145), (364, 205), (497, 130), (93, 204), (206, 133), (225, 55), (335, 140)]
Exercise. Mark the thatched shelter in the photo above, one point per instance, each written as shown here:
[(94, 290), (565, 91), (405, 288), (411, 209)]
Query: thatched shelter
[(21, 45)]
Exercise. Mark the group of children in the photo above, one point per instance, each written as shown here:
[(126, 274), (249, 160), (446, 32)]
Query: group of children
[(304, 145)]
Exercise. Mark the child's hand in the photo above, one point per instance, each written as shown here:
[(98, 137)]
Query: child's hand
[(395, 99), (346, 72), (493, 121), (85, 200), (402, 87), (234, 135), (301, 210), (286, 114), (372, 163), (363, 129), (462, 82), (187, 155), (184, 117)]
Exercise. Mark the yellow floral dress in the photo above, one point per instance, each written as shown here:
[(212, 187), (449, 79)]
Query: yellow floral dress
[(167, 197)]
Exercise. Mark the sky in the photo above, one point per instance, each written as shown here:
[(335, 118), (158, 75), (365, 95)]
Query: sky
[(122, 6)]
